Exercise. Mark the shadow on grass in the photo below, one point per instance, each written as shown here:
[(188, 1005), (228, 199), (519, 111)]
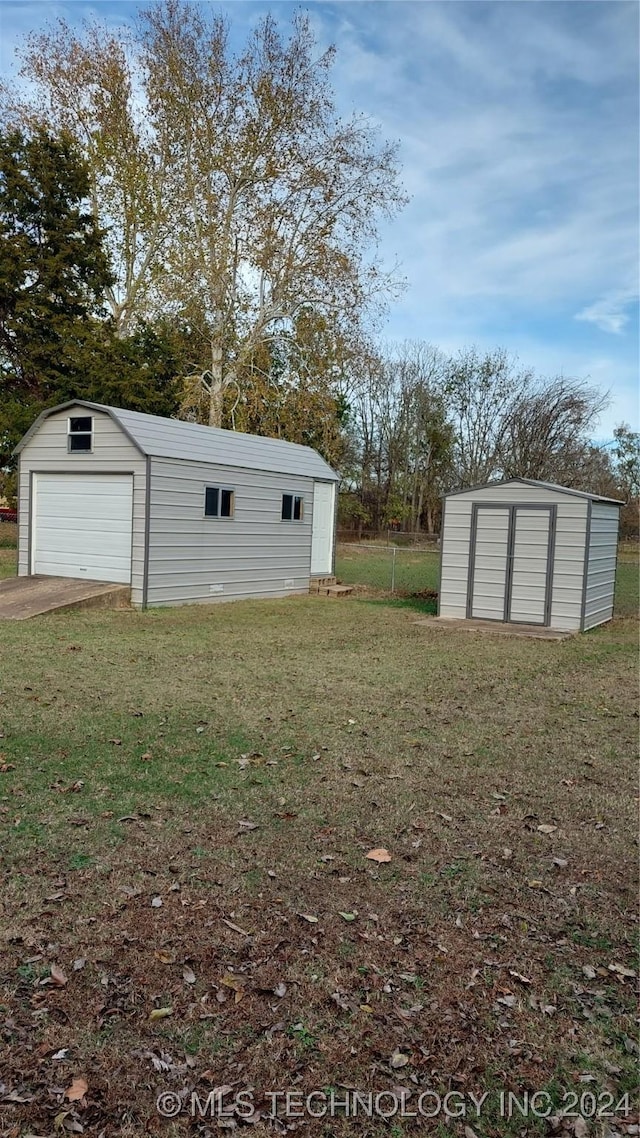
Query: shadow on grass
[(428, 607)]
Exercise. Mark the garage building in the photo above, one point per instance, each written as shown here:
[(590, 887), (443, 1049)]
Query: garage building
[(181, 512), (529, 552)]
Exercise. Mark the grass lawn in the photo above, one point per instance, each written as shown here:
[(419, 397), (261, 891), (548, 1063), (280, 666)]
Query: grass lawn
[(187, 798), (372, 569), (8, 552)]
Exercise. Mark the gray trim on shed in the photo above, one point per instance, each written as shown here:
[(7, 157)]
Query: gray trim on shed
[(46, 414), (511, 508), (561, 574), (442, 525), (99, 472), (551, 547), (473, 541), (508, 580), (585, 577), (30, 524), (538, 485)]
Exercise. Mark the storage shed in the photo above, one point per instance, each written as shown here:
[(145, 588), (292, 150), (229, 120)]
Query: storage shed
[(180, 512), (529, 552)]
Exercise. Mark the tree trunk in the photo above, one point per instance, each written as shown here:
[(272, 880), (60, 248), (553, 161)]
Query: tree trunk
[(217, 386), (419, 509)]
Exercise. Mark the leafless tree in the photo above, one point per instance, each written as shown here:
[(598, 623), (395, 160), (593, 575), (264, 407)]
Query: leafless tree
[(545, 431)]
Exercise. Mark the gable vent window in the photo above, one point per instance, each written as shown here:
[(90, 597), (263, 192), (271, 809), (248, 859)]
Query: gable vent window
[(218, 502), (292, 508), (80, 433)]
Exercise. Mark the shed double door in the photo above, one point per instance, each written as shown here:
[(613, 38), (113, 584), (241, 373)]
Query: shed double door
[(510, 563)]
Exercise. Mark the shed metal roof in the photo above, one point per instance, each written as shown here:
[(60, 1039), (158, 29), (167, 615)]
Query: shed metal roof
[(173, 438), (532, 482)]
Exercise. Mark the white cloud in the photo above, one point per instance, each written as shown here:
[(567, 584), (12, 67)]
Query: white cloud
[(518, 133), (610, 313)]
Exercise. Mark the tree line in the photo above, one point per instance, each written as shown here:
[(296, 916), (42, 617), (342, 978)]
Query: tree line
[(235, 205), (190, 229), (422, 423)]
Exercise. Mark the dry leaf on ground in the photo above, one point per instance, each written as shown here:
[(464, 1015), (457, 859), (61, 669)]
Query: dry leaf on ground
[(77, 1090), (160, 1013)]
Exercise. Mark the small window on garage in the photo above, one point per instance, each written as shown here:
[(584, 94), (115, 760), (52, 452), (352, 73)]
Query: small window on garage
[(292, 508), (218, 502), (80, 433)]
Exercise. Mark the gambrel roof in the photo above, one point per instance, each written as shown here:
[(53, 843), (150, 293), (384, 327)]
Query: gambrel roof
[(173, 438)]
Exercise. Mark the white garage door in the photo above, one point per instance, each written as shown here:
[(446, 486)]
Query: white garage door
[(81, 526), (322, 529)]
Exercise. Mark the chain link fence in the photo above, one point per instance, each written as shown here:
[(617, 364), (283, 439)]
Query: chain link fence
[(389, 569), (387, 537)]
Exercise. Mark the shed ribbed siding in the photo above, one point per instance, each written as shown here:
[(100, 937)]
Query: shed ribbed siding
[(486, 597), (454, 560), (113, 453), (253, 554), (565, 542), (601, 568), (568, 566)]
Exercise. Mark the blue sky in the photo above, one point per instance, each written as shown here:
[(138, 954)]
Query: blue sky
[(518, 128)]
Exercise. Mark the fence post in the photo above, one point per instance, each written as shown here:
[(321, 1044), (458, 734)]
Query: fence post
[(393, 570)]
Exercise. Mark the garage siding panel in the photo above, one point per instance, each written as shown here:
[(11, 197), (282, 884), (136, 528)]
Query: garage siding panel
[(601, 569), (196, 558), (113, 453)]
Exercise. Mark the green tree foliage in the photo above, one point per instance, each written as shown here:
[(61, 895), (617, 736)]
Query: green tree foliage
[(55, 343), (627, 459), (53, 272)]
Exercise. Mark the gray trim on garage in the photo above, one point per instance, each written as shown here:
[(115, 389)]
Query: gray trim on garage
[(472, 558), (178, 553), (147, 519), (37, 473), (551, 549)]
